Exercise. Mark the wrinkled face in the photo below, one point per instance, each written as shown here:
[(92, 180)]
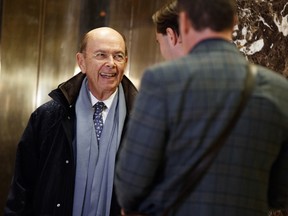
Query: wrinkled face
[(103, 61), (164, 45)]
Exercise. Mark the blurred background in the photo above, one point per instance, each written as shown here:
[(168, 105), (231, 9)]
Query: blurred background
[(39, 40)]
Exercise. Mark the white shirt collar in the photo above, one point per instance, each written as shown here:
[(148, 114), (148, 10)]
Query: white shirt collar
[(107, 102)]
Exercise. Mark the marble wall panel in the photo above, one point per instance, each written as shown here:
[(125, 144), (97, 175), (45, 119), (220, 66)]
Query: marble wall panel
[(262, 33)]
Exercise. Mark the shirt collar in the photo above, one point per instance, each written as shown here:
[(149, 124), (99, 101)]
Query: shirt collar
[(107, 102)]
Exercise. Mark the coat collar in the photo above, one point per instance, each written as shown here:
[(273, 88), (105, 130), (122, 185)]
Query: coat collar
[(71, 88)]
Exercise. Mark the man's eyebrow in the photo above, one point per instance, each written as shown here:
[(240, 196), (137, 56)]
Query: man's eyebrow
[(99, 50), (119, 51), (105, 51)]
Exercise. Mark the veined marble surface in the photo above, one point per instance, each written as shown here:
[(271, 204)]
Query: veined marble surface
[(262, 33)]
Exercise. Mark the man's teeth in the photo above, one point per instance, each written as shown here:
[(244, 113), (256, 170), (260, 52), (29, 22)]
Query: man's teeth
[(108, 74)]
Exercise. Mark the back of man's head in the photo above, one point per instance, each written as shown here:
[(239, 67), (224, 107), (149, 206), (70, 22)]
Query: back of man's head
[(167, 17), (218, 15)]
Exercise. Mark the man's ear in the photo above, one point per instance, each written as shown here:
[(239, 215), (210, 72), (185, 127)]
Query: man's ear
[(172, 36), (81, 62)]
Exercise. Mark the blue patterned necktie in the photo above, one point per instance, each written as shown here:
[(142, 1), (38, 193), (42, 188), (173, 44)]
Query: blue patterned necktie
[(97, 118)]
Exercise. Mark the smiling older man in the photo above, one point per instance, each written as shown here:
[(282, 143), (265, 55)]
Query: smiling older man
[(66, 156)]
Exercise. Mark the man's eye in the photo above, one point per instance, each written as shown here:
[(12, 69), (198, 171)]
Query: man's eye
[(119, 57), (100, 55)]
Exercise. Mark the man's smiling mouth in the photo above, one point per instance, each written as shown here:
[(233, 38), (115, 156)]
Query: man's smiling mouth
[(108, 75)]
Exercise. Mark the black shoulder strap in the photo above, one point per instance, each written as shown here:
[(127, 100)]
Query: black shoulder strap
[(201, 166)]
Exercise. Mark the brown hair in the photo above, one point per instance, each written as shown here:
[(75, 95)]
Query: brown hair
[(217, 15), (167, 17)]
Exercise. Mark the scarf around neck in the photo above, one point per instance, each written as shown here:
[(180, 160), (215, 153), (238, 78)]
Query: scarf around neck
[(95, 162)]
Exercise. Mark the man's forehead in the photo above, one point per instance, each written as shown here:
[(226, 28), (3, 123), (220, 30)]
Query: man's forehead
[(105, 45)]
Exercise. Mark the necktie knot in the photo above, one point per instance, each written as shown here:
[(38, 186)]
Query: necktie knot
[(99, 107), (97, 117)]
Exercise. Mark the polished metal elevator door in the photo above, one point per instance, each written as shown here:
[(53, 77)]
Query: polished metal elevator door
[(38, 44)]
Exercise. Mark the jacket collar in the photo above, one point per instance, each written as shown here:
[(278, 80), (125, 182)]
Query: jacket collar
[(71, 87)]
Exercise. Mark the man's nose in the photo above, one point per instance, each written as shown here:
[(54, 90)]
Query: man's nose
[(110, 61)]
